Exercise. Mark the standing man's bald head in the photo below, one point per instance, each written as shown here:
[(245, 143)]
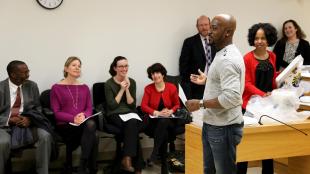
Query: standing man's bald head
[(203, 25), (222, 31)]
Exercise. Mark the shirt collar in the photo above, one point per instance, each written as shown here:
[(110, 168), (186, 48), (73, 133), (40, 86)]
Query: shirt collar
[(13, 87), (203, 38)]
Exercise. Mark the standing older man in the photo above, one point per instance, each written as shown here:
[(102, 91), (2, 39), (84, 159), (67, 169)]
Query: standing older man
[(196, 54), (223, 121), (19, 111)]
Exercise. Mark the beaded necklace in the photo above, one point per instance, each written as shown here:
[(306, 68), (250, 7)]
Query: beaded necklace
[(76, 100)]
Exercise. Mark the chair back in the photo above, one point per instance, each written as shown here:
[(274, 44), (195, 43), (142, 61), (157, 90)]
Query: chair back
[(174, 80), (46, 107), (99, 102)]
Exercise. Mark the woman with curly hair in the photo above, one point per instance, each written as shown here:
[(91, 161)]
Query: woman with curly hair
[(291, 44), (260, 74)]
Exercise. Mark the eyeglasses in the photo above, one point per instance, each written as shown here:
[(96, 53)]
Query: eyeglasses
[(122, 66)]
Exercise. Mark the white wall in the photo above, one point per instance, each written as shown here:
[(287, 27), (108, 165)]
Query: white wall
[(144, 31)]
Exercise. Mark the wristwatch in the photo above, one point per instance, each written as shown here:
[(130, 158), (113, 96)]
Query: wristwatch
[(201, 104)]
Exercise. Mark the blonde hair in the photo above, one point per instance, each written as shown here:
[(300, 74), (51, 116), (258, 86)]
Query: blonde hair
[(69, 61)]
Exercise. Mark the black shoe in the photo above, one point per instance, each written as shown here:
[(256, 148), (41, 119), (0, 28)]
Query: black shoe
[(149, 162), (67, 170)]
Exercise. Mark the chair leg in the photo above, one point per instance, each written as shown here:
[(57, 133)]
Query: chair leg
[(171, 146), (8, 167)]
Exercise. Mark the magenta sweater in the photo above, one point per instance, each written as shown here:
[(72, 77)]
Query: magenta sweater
[(69, 100)]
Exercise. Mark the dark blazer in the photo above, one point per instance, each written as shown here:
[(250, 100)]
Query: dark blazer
[(303, 49), (31, 96), (32, 109), (192, 58)]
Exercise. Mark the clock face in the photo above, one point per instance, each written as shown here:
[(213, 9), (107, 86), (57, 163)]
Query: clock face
[(50, 4)]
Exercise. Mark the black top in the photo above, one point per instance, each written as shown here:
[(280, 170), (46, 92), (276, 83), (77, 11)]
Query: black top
[(161, 105), (303, 49), (264, 74)]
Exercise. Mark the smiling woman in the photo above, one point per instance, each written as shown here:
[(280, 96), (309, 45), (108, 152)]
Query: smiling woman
[(260, 73), (71, 103), (291, 45)]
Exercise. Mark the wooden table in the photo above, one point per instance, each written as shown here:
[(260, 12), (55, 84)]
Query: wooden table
[(258, 142)]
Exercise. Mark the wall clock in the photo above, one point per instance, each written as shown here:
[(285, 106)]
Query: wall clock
[(50, 4)]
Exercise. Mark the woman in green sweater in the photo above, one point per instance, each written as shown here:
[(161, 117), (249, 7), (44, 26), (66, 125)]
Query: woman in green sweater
[(120, 91)]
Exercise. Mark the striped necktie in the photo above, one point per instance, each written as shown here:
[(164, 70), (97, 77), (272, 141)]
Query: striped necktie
[(208, 55), (16, 107)]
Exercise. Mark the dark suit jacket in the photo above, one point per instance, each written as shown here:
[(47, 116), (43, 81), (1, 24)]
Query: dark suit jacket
[(303, 49), (31, 96), (32, 108), (192, 58)]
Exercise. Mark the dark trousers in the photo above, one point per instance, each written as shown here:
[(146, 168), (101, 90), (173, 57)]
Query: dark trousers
[(130, 131), (267, 167), (84, 135), (160, 129)]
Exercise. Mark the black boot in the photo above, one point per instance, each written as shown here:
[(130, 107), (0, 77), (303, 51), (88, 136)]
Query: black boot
[(164, 166)]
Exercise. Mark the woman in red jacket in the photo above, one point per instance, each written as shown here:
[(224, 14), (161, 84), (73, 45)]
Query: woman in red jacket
[(260, 74), (160, 99)]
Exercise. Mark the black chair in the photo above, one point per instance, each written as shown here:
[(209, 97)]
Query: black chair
[(47, 111), (99, 103), (180, 128)]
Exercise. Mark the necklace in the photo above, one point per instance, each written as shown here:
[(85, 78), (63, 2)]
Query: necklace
[(76, 100), (263, 57)]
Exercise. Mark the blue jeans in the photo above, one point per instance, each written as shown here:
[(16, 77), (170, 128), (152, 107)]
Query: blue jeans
[(219, 148)]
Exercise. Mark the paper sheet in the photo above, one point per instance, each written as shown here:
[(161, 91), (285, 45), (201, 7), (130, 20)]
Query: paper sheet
[(74, 124), (126, 117), (153, 116)]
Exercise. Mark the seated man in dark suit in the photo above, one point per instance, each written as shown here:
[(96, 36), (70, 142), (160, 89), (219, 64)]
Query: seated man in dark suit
[(20, 111), (196, 54)]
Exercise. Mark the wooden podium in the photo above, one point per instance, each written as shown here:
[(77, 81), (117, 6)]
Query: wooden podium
[(258, 142)]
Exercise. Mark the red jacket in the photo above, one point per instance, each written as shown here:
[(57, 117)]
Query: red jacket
[(151, 98), (250, 79)]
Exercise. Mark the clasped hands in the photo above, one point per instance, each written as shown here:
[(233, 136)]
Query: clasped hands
[(79, 118), (20, 121), (164, 113), (125, 83)]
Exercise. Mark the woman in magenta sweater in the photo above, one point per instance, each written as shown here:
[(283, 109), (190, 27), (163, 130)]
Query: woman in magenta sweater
[(260, 74), (160, 99), (71, 103)]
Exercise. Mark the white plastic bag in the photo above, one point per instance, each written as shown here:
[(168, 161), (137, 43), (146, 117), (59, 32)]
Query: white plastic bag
[(280, 105)]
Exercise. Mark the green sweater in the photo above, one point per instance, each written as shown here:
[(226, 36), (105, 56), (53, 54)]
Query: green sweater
[(111, 90)]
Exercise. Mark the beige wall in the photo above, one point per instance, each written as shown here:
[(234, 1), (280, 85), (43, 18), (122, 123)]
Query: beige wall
[(144, 31)]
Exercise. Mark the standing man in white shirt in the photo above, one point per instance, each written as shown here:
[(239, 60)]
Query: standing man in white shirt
[(223, 122)]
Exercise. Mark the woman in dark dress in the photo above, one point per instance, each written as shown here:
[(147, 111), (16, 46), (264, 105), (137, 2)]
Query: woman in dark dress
[(291, 44)]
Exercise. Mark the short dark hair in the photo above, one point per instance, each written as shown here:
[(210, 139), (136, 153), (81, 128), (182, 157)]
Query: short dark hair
[(114, 64), (269, 30), (156, 67), (299, 33), (12, 66)]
